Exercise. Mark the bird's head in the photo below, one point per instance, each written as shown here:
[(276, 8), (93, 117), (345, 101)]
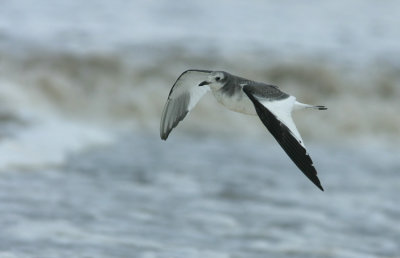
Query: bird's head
[(215, 80)]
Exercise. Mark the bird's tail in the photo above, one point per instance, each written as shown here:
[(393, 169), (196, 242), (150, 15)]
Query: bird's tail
[(298, 105), (319, 107)]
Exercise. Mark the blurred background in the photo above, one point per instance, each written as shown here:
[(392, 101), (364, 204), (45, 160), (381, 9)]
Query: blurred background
[(83, 172)]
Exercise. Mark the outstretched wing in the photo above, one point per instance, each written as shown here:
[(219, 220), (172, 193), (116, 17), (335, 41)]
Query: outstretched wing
[(276, 116), (182, 98)]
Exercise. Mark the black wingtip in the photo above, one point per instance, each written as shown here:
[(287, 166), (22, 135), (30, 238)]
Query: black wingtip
[(164, 135), (322, 107), (316, 181), (296, 152), (314, 178)]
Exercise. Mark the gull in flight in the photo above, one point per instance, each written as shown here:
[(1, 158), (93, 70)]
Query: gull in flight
[(272, 106)]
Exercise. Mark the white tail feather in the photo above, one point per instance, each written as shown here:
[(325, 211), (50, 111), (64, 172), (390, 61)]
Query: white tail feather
[(299, 105)]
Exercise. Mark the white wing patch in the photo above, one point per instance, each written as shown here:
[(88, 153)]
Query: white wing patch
[(282, 109), (183, 97)]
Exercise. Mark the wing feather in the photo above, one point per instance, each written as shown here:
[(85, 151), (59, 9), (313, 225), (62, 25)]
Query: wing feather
[(183, 97), (279, 122)]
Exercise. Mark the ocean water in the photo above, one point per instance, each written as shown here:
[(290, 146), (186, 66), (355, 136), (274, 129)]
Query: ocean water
[(83, 172), (205, 197)]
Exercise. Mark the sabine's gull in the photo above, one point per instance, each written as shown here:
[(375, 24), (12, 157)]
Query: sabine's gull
[(273, 107)]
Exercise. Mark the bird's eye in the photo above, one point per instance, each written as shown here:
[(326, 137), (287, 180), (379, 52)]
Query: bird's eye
[(217, 78)]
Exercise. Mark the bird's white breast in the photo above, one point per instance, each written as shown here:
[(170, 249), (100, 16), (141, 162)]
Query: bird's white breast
[(238, 102)]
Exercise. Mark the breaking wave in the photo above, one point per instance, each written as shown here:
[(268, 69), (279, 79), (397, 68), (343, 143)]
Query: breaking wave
[(126, 90), (54, 103)]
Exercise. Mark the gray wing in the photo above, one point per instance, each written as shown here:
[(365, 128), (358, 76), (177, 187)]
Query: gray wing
[(182, 98), (275, 114), (265, 91)]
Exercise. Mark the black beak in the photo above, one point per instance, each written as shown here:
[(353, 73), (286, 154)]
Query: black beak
[(204, 83)]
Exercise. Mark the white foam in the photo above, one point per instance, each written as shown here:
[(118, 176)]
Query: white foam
[(353, 31), (46, 138), (48, 143)]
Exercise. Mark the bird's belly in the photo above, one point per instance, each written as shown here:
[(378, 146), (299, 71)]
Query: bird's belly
[(238, 102)]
